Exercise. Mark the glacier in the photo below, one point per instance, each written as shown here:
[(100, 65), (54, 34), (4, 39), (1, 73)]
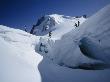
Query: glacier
[(67, 50), (71, 54)]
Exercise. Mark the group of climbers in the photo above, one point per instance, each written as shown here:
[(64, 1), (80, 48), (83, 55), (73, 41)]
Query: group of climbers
[(77, 24)]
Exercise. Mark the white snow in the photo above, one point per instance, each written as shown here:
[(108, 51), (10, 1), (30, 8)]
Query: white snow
[(66, 50), (93, 49), (22, 61), (58, 18), (18, 59), (58, 24)]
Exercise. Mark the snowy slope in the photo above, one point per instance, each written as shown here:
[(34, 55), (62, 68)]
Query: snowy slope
[(58, 25), (92, 35), (66, 51), (93, 49), (18, 59), (21, 53)]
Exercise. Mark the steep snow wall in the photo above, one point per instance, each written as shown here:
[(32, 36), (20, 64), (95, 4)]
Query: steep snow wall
[(18, 59), (91, 48), (67, 51)]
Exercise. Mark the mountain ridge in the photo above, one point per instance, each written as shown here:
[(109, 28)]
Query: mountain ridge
[(56, 23)]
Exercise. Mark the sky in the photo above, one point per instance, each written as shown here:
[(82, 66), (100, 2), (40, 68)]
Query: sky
[(18, 13)]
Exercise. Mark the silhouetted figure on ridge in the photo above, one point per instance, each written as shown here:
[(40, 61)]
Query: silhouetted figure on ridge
[(77, 24), (25, 28), (85, 16), (50, 34)]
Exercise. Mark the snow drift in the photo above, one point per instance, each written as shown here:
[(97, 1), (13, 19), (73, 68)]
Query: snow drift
[(66, 51), (90, 48), (18, 59)]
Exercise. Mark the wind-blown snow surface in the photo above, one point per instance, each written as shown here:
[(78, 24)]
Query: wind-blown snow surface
[(18, 59)]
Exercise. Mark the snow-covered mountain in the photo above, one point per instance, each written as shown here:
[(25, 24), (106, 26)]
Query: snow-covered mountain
[(96, 30), (56, 24), (29, 58)]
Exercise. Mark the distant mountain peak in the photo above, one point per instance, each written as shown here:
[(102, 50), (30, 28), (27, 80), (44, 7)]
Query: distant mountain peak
[(58, 18), (57, 23)]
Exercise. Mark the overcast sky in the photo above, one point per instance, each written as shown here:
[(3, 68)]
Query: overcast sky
[(17, 13)]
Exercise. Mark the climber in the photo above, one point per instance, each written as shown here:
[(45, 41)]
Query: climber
[(50, 34), (40, 47), (78, 23), (25, 28)]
